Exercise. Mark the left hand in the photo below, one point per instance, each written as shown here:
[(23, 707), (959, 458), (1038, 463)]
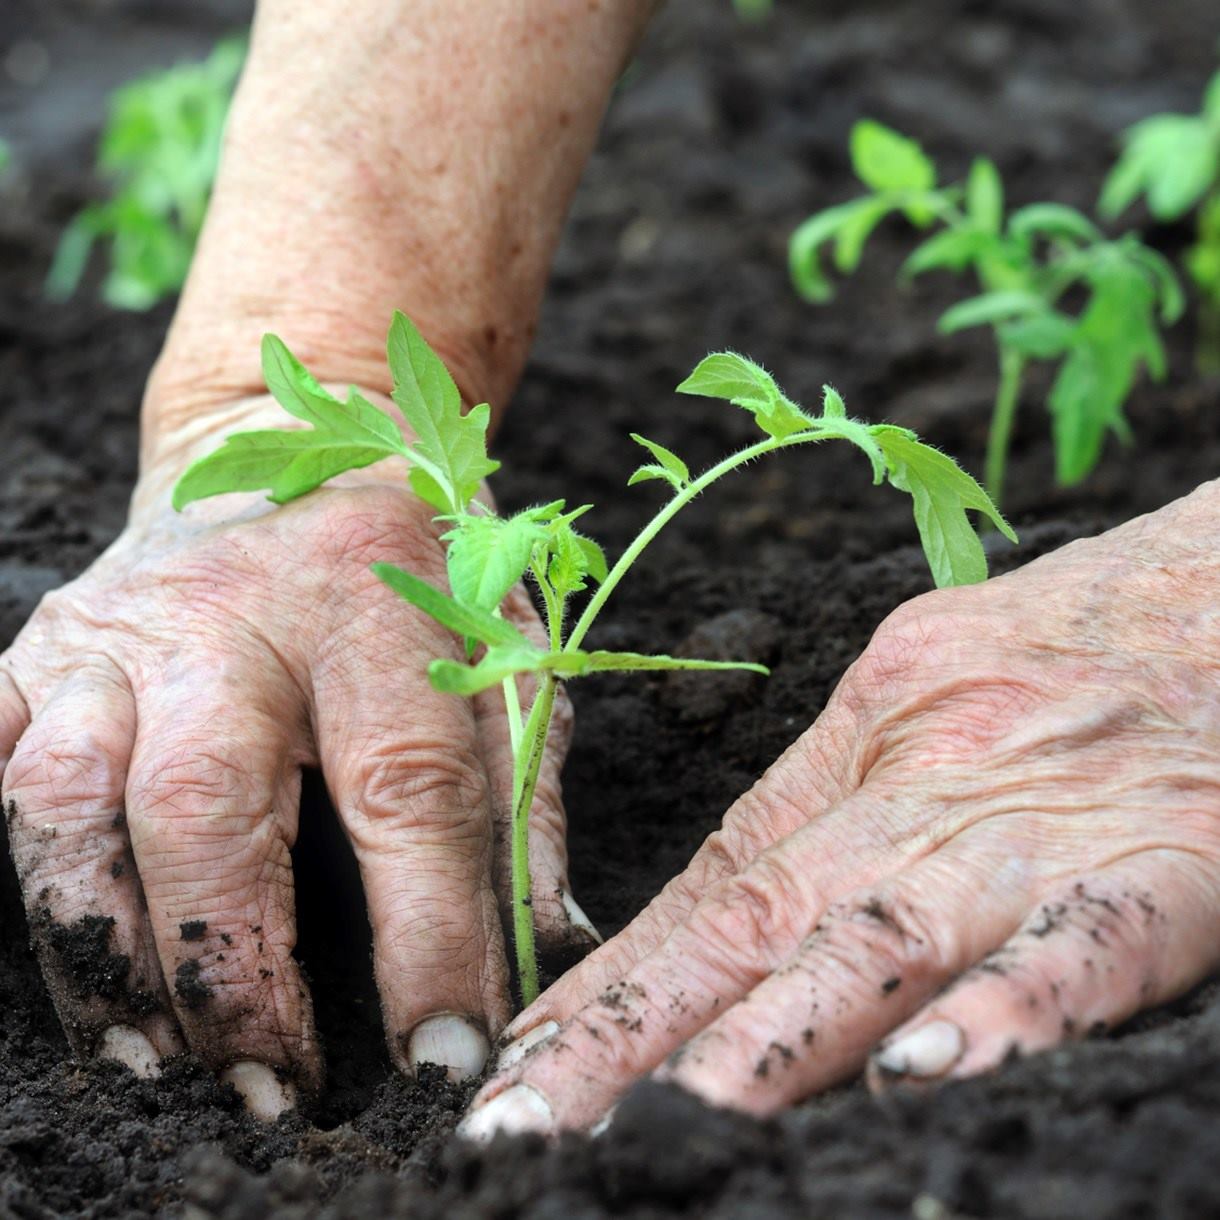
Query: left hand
[(1003, 832)]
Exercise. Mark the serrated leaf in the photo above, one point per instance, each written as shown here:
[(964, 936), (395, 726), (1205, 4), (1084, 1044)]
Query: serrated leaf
[(730, 376), (1054, 220), (488, 555), (286, 464), (749, 386), (985, 197), (496, 664), (453, 444), (886, 161), (289, 463), (989, 309), (942, 492), (469, 622), (1174, 158), (569, 563), (649, 471), (833, 406), (668, 460)]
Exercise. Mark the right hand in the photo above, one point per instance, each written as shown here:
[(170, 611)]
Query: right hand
[(155, 715)]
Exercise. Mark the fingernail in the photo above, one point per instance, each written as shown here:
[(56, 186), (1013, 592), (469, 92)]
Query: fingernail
[(578, 919), (602, 1125), (514, 1052), (514, 1111), (926, 1052), (452, 1041), (265, 1094), (132, 1049)]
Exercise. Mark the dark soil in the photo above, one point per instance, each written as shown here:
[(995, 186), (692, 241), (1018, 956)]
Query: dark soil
[(719, 141)]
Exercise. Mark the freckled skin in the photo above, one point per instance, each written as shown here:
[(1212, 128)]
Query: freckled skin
[(155, 713), (1004, 831)]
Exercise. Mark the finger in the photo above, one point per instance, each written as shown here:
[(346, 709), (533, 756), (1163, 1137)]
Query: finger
[(815, 774), (212, 799), (741, 931), (1097, 951), (63, 789), (404, 771), (565, 934), (14, 717), (872, 959)]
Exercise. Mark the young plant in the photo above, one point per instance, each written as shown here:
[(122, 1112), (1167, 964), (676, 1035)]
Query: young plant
[(1173, 162), (1025, 263), (160, 148), (487, 553)]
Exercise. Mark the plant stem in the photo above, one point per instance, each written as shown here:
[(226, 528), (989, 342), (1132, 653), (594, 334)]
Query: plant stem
[(1008, 395), (667, 512), (527, 765)]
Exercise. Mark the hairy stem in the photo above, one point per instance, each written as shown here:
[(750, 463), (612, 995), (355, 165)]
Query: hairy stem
[(528, 761), (1012, 369), (664, 516)]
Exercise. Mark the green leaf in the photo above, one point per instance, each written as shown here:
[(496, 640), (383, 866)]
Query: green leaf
[(606, 662), (985, 197), (570, 562), (989, 309), (1211, 101), (749, 386), (886, 161), (496, 664), (595, 558), (951, 249), (942, 493), (1041, 336), (1174, 158), (1054, 220), (453, 445), (469, 622), (804, 265), (289, 463), (1160, 270), (642, 474), (669, 462), (855, 231), (833, 406), (488, 555), (72, 254)]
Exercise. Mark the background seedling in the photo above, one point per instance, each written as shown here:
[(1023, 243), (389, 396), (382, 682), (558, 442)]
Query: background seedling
[(487, 554), (1025, 263), (160, 149), (1172, 161)]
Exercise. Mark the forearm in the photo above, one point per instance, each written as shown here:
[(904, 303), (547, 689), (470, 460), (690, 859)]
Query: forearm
[(391, 155)]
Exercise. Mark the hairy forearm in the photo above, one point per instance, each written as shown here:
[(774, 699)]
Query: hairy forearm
[(416, 155)]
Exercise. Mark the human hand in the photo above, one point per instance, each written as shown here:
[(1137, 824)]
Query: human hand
[(155, 715), (1003, 832)]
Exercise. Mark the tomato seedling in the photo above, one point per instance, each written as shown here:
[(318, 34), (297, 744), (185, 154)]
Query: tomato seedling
[(160, 149), (1173, 162), (487, 554), (1024, 263)]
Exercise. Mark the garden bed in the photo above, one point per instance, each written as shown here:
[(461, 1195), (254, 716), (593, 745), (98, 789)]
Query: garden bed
[(720, 140)]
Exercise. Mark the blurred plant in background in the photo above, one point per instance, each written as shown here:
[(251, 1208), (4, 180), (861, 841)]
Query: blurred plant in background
[(1173, 162), (754, 10), (160, 148)]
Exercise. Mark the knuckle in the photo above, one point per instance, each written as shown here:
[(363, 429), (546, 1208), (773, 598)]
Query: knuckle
[(865, 941), (82, 771), (195, 779), (610, 1039), (753, 920), (434, 785)]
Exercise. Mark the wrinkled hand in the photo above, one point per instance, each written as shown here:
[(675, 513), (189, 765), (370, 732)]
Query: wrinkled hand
[(1003, 832), (155, 715)]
